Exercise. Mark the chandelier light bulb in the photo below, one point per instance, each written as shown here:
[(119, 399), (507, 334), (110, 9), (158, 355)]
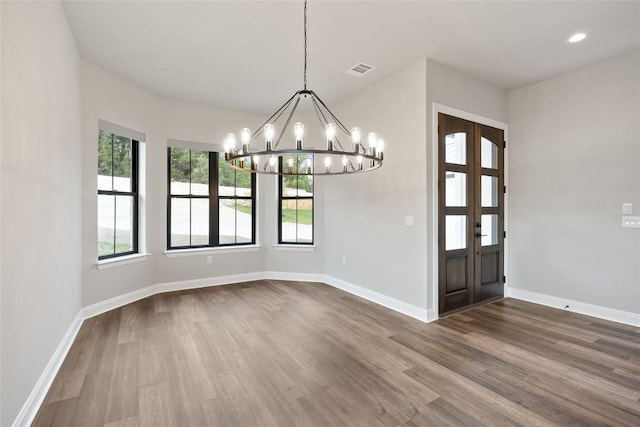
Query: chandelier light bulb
[(272, 162), (245, 136), (359, 158), (380, 145), (309, 162), (231, 139), (327, 162), (373, 139), (355, 137), (290, 163), (269, 132), (298, 129)]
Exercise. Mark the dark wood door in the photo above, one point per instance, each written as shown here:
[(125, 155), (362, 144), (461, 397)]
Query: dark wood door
[(471, 213)]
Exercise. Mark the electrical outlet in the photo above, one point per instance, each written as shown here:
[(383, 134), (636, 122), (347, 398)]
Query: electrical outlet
[(631, 221), (210, 259)]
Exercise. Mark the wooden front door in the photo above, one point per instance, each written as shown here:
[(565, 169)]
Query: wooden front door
[(471, 213)]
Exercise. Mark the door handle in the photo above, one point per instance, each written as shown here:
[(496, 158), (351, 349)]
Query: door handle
[(480, 235)]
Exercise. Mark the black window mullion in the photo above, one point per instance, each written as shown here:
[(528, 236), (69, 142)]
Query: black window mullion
[(214, 203)]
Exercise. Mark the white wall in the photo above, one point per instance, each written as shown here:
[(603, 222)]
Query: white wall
[(108, 97), (40, 196), (364, 213), (574, 159)]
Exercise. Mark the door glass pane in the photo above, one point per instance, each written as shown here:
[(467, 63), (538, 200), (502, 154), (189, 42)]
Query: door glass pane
[(456, 189), (180, 218), (489, 154), (489, 191), (106, 224), (199, 222), (124, 224), (455, 232), (455, 145), (489, 230)]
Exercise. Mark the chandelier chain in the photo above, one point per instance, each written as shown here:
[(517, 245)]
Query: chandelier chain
[(305, 44)]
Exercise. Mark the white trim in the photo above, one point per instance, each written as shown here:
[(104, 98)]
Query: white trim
[(30, 408), (195, 145), (176, 253), (410, 310), (432, 285), (106, 126), (296, 277), (600, 312), (300, 247), (103, 264)]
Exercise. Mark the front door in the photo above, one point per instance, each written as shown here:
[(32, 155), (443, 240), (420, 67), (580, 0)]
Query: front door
[(471, 213)]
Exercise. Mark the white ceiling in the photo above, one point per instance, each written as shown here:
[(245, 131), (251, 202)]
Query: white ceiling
[(247, 55)]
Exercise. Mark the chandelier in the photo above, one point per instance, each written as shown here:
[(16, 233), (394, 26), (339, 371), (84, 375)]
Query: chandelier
[(283, 150)]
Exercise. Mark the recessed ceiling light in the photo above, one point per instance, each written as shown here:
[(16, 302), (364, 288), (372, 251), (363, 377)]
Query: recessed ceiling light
[(577, 37)]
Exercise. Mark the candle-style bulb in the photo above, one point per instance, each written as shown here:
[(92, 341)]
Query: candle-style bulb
[(269, 132), (298, 130), (373, 140), (245, 135), (355, 138), (231, 140), (327, 162)]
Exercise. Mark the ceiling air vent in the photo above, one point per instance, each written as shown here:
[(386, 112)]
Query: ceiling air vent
[(360, 69)]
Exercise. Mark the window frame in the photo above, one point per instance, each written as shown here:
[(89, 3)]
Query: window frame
[(214, 204), (134, 194), (282, 197)]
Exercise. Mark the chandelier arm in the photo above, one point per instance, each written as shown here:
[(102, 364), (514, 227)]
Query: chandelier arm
[(277, 113), (338, 122), (287, 122)]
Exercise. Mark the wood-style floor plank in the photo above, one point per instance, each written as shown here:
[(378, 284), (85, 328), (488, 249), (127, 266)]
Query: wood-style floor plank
[(277, 353)]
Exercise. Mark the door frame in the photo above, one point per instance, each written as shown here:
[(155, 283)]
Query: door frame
[(433, 277)]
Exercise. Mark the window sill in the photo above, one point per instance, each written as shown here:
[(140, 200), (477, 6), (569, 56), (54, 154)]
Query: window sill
[(300, 247), (176, 253), (103, 264)]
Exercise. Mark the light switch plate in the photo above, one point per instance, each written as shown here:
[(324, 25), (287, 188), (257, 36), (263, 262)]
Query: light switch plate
[(627, 208), (408, 220), (631, 221)]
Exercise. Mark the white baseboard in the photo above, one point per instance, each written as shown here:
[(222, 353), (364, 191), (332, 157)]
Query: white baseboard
[(392, 303), (606, 313), (34, 401)]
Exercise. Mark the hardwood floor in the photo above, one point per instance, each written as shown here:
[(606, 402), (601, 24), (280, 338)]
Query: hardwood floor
[(304, 354)]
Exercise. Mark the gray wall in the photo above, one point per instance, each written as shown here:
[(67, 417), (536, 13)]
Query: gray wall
[(40, 196), (364, 213), (574, 159)]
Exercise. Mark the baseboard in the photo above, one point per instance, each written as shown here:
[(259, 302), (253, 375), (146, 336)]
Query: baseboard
[(384, 300), (606, 313), (297, 277), (34, 401)]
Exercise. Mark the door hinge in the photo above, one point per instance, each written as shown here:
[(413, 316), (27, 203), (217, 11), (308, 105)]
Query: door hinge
[(504, 144), (505, 234), (504, 279), (505, 189)]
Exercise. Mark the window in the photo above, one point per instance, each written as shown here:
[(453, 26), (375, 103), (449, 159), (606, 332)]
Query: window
[(209, 203), (117, 195), (295, 208)]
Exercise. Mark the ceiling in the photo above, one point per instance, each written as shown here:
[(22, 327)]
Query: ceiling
[(248, 55)]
